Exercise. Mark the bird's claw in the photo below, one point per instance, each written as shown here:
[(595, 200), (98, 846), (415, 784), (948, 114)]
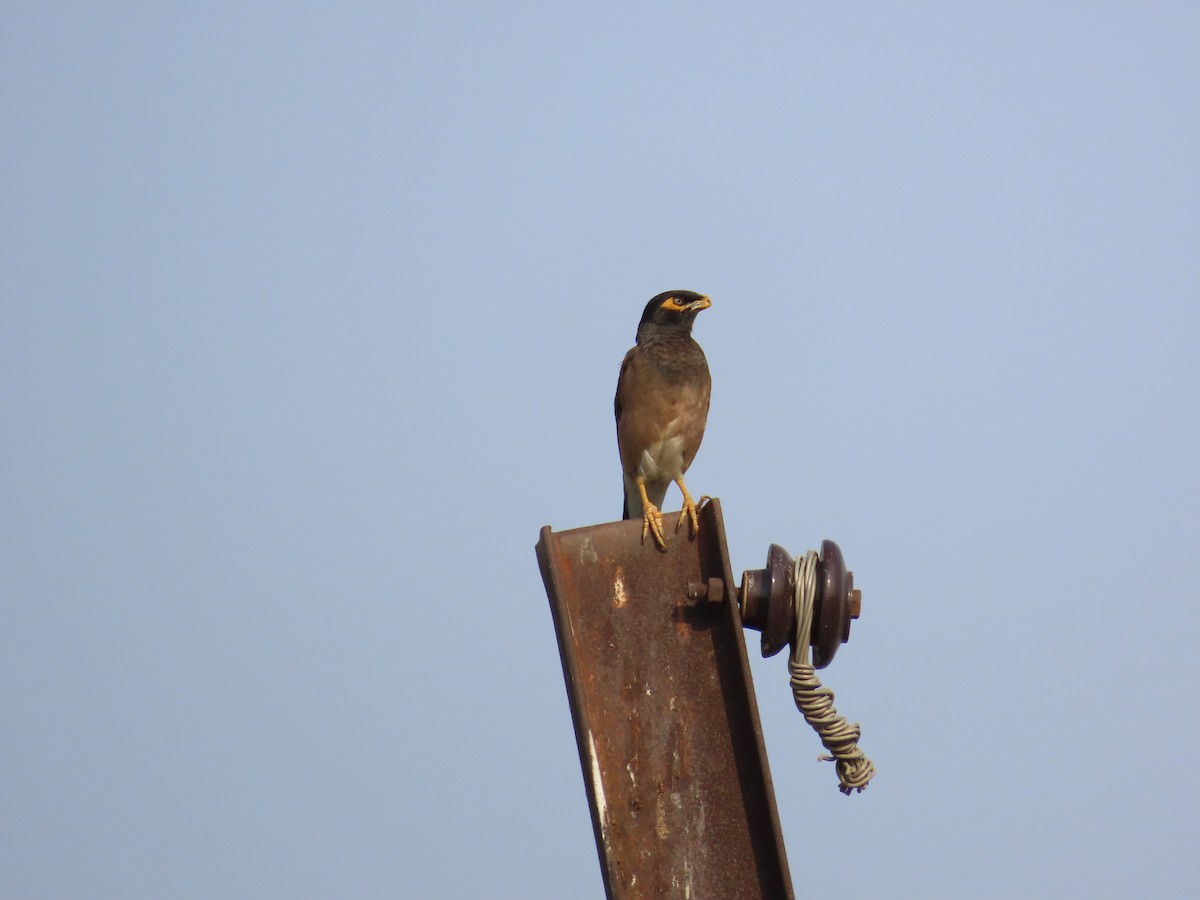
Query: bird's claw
[(689, 511), (652, 521)]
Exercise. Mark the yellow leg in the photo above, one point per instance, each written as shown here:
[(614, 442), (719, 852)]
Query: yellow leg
[(651, 518), (689, 509)]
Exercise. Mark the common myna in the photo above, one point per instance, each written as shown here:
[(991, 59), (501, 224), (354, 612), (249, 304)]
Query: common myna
[(662, 407)]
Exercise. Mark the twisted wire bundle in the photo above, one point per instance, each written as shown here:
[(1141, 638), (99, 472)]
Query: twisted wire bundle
[(815, 701)]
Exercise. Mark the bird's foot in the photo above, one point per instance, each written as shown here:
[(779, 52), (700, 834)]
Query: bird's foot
[(652, 521), (689, 511)]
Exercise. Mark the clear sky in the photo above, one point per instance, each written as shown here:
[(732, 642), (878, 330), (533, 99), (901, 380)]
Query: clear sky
[(310, 317)]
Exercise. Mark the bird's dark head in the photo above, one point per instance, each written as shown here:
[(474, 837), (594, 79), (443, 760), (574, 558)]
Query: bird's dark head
[(672, 311)]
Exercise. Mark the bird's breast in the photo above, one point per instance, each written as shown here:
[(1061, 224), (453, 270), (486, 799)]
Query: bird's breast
[(661, 410)]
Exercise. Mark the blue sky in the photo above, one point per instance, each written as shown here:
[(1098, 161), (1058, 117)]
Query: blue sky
[(311, 319)]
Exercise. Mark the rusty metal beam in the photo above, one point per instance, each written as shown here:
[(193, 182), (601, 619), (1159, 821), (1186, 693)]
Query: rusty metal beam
[(665, 718)]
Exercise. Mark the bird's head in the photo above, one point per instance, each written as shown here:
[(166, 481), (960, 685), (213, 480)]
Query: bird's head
[(672, 311)]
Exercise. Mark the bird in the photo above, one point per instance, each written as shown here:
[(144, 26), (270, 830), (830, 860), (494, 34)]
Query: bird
[(661, 408)]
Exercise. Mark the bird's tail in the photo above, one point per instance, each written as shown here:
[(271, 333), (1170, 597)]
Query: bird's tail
[(625, 505)]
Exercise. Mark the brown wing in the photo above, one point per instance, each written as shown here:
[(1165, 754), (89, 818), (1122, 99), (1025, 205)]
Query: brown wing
[(618, 400), (643, 405)]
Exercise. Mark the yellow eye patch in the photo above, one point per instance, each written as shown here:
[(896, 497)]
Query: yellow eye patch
[(677, 305)]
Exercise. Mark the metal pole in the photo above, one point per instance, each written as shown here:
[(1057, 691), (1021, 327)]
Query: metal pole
[(665, 717)]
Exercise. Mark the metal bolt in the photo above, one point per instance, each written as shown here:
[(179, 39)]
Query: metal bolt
[(712, 592)]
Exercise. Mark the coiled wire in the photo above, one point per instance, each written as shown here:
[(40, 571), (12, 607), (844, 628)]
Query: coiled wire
[(814, 701)]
